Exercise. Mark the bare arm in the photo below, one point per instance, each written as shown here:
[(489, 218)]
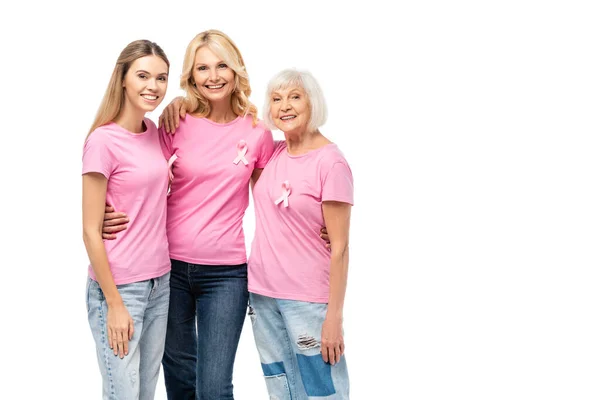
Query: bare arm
[(119, 322), (337, 222)]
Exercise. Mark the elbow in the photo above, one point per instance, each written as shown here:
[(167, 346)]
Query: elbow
[(339, 251), (91, 234)]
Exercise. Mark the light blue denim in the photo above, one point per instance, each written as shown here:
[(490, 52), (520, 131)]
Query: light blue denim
[(134, 376), (288, 338)]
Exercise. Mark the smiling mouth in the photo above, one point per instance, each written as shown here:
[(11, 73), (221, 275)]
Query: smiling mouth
[(214, 86), (287, 117), (149, 97)]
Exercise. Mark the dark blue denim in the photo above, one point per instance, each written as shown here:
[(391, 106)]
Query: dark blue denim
[(210, 300)]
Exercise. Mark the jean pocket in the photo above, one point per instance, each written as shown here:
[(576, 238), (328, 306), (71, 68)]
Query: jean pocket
[(278, 388)]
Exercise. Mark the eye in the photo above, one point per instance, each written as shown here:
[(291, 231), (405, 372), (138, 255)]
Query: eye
[(142, 76), (222, 65), (202, 68), (162, 78), (296, 97), (275, 99)]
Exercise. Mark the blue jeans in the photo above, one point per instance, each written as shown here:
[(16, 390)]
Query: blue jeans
[(288, 338), (134, 376), (206, 314)]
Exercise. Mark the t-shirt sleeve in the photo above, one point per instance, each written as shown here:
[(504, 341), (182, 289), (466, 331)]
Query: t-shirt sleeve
[(166, 142), (97, 156), (338, 184), (266, 148)]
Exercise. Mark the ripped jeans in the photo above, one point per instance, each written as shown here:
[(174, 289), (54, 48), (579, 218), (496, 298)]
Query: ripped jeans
[(288, 338)]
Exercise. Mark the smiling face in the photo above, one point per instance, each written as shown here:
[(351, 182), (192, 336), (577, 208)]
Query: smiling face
[(290, 109), (145, 83), (213, 78)]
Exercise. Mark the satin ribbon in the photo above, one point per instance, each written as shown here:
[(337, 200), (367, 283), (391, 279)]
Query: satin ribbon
[(242, 149), (285, 193), (170, 166)]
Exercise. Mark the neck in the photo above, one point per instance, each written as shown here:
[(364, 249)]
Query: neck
[(303, 142), (221, 112), (131, 119)]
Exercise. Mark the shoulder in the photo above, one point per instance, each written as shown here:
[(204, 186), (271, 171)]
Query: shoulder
[(101, 136), (247, 122), (150, 125), (332, 154)]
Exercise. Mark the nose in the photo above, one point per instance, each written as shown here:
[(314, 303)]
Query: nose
[(285, 105), (151, 84), (214, 75)]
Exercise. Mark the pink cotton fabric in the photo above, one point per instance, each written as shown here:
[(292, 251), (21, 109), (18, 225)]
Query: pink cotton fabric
[(137, 176), (288, 259), (210, 193)]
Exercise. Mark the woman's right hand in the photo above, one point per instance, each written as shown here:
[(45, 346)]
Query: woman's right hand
[(119, 326), (171, 114), (113, 222)]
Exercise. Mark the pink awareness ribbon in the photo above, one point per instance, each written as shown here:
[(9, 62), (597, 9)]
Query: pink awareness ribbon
[(170, 166), (242, 149), (285, 193)]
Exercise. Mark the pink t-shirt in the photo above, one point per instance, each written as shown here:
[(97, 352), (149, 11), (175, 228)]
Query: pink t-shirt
[(288, 259), (137, 185), (209, 192)]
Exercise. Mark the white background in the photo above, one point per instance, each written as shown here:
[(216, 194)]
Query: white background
[(472, 131)]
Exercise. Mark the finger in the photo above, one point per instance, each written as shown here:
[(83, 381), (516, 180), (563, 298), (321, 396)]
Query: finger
[(108, 209), (115, 221), (125, 346), (182, 111), (324, 353), (115, 343), (174, 119), (342, 349), (120, 344), (179, 114), (109, 337), (331, 354), (338, 354), (114, 229), (328, 246), (109, 236), (160, 119), (112, 214), (131, 329), (167, 119)]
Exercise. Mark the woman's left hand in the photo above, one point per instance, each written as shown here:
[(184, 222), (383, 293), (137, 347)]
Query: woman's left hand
[(332, 340)]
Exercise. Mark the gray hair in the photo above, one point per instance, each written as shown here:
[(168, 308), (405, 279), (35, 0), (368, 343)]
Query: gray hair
[(305, 80)]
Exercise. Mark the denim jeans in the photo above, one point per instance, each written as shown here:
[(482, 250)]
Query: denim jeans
[(288, 338), (135, 375), (206, 314)]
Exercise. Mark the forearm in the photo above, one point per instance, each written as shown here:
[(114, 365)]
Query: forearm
[(338, 278), (99, 261)]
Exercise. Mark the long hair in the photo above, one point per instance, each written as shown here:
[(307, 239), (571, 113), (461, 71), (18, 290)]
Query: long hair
[(114, 97), (220, 44)]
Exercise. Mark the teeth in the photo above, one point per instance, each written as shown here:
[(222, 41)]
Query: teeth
[(286, 118), (147, 96), (216, 86)]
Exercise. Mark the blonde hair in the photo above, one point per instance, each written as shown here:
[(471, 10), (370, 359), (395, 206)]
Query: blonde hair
[(114, 97), (220, 44)]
